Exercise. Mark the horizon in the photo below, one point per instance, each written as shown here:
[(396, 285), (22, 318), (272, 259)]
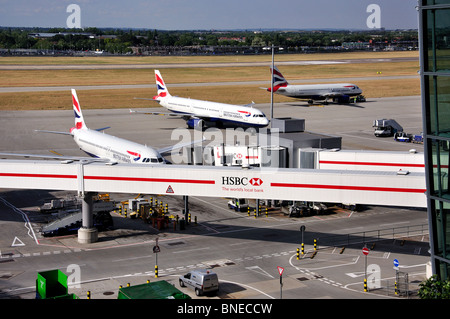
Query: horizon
[(172, 15)]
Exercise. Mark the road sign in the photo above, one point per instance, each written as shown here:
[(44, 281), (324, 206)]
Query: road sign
[(365, 251), (280, 270), (396, 264), (156, 248)]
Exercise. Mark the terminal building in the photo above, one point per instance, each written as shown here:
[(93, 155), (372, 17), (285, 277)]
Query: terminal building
[(434, 26)]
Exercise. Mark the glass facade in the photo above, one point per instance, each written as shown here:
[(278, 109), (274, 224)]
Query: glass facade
[(434, 28)]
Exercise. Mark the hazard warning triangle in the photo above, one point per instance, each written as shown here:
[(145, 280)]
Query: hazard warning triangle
[(169, 190)]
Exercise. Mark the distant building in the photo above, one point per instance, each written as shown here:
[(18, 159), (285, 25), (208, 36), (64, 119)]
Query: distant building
[(47, 35)]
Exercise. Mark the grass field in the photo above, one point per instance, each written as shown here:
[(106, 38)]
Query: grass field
[(241, 94), (199, 59)]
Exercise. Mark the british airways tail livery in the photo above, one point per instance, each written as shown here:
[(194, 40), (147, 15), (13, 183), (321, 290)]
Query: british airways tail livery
[(339, 92), (103, 147), (197, 113)]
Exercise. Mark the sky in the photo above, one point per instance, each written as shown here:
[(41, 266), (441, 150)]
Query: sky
[(211, 14)]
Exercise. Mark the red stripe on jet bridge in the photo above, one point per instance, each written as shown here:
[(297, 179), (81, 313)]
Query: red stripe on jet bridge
[(351, 188), (371, 163), (38, 175), (111, 178), (152, 180)]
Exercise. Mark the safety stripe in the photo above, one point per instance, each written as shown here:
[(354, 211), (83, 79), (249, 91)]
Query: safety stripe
[(370, 163), (113, 178), (352, 188), (38, 175), (155, 180)]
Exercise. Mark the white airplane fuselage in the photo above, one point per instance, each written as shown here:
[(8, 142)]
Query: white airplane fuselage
[(216, 112), (319, 91), (102, 145)]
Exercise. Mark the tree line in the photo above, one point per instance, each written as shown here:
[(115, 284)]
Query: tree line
[(122, 40)]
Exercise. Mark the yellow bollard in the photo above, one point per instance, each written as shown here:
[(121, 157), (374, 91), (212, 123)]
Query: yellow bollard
[(303, 248), (365, 285), (156, 271), (315, 244), (298, 254), (88, 295)]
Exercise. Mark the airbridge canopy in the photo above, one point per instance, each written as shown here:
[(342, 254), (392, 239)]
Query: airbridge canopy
[(339, 186)]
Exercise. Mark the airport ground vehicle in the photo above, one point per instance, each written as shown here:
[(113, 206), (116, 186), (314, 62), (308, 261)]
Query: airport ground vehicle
[(238, 204), (402, 137), (386, 127), (417, 138), (201, 280)]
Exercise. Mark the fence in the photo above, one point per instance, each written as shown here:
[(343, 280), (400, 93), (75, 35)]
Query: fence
[(373, 235), (401, 285)]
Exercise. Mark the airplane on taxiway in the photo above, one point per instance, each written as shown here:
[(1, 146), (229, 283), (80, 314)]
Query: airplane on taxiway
[(199, 113), (339, 92), (103, 147)]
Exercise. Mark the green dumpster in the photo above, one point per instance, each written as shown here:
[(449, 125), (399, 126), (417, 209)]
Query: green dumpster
[(154, 290), (68, 296), (51, 283)]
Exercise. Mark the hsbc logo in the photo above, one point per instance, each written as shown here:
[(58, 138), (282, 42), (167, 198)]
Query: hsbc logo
[(241, 181), (256, 181)]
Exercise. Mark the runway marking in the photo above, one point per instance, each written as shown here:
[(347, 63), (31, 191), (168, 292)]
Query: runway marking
[(190, 250), (25, 218), (17, 242)]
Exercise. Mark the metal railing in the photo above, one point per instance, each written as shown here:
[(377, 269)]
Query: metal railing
[(372, 236)]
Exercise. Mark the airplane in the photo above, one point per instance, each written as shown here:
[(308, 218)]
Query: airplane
[(339, 92), (102, 147), (197, 113)]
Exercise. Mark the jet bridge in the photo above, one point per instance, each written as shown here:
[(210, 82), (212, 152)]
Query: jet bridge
[(315, 185)]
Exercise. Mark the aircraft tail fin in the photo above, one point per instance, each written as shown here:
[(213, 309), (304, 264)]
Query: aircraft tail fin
[(79, 120), (161, 87), (278, 80)]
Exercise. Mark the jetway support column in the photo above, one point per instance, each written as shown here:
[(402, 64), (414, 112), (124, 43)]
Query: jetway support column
[(87, 233)]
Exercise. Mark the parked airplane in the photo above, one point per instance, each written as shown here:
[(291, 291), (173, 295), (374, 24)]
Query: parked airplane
[(103, 147), (197, 112), (339, 92)]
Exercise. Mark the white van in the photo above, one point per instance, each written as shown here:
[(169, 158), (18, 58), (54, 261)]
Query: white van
[(201, 280)]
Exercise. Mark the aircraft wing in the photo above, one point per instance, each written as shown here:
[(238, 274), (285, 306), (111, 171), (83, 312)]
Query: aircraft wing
[(161, 113), (54, 132), (58, 157), (168, 149)]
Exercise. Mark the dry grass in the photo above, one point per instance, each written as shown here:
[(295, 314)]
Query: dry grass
[(17, 78), (200, 59), (235, 94), (242, 94)]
